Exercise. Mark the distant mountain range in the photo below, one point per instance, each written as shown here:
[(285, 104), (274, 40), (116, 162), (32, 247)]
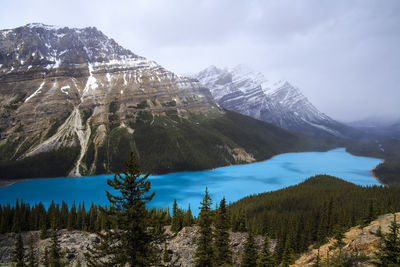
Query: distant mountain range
[(74, 102), (248, 92), (378, 126)]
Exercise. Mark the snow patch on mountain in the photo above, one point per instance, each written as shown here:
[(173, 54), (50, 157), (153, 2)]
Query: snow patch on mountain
[(278, 102), (36, 92)]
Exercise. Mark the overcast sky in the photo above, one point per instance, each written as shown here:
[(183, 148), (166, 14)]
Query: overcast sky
[(343, 55)]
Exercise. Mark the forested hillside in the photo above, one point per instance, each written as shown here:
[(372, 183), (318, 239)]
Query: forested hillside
[(320, 207)]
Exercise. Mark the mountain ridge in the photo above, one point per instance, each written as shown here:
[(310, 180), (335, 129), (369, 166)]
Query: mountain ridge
[(76, 97), (248, 92)]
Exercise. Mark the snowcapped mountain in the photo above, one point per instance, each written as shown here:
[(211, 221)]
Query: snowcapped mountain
[(280, 103), (62, 87), (74, 102)]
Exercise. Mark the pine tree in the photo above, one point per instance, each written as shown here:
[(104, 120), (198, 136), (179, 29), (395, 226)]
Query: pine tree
[(250, 253), (175, 224), (79, 217), (18, 255), (55, 259), (204, 253), (317, 262), (132, 243), (46, 262), (241, 222), (223, 253), (64, 215), (188, 218), (338, 259), (339, 243), (32, 260), (72, 217), (43, 230), (288, 252), (371, 212), (166, 255), (389, 249), (266, 258)]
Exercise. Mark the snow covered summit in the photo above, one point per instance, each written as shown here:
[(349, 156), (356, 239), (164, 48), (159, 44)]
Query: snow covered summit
[(248, 92)]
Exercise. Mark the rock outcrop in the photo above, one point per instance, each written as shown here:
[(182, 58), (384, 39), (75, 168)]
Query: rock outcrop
[(247, 92), (77, 99), (181, 245), (360, 241)]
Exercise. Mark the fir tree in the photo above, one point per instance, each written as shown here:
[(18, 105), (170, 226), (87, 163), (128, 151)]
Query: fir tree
[(188, 218), (317, 262), (250, 253), (43, 230), (389, 249), (72, 217), (132, 243), (46, 262), (371, 213), (166, 255), (55, 259), (288, 252), (266, 258), (32, 260), (223, 254), (241, 222), (18, 255), (176, 223), (339, 243), (204, 253)]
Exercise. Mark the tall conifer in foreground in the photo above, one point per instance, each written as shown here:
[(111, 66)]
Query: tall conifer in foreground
[(204, 253), (223, 253), (266, 258), (55, 259), (18, 255), (250, 253), (176, 222), (32, 260), (188, 218), (46, 258), (132, 243), (389, 249)]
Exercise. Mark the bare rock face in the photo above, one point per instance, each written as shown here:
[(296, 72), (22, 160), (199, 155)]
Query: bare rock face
[(62, 87), (280, 103), (74, 244), (183, 246), (361, 241)]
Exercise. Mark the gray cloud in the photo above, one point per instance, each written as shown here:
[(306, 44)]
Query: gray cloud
[(344, 55)]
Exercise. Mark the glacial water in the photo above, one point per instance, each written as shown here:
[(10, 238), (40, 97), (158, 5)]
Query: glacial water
[(233, 182)]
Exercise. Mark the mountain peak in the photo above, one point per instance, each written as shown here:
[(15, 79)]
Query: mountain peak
[(249, 92), (47, 47), (43, 26)]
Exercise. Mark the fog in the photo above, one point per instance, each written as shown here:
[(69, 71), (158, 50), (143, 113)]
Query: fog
[(343, 55)]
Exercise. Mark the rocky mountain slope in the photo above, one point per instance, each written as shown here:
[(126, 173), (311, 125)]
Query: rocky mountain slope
[(360, 241), (280, 103), (181, 246), (74, 102)]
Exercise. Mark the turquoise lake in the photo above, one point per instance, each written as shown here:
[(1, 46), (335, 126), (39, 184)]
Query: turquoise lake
[(233, 182)]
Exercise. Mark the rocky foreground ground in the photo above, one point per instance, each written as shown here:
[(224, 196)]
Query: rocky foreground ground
[(360, 241), (74, 243)]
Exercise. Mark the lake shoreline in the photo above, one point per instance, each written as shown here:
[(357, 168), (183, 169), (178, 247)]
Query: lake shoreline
[(8, 182), (376, 177), (233, 182)]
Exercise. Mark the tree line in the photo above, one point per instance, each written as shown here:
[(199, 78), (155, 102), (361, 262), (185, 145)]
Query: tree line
[(309, 213)]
